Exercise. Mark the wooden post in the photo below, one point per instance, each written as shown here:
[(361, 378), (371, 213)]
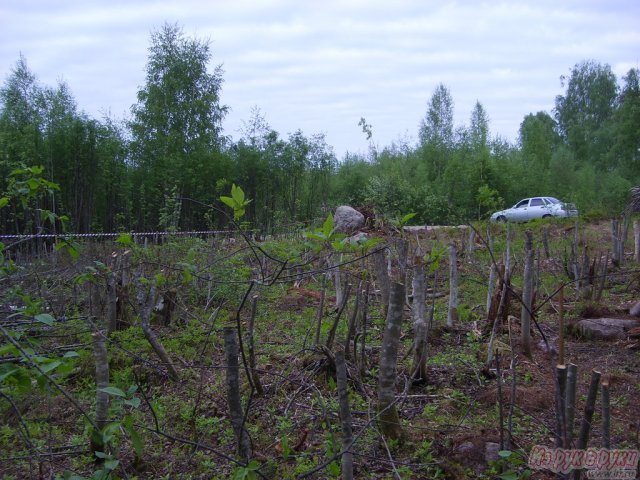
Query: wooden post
[(351, 328), (606, 414), (527, 295), (452, 314), (251, 346), (145, 315), (561, 327), (636, 240), (419, 369), (233, 392), (382, 278), (345, 417), (323, 292), (570, 401), (102, 381), (332, 332), (387, 412), (589, 408), (561, 388)]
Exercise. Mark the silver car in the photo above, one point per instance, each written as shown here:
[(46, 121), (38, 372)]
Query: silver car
[(535, 207)]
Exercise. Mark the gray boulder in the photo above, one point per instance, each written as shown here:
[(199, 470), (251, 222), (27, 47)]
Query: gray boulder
[(607, 328), (347, 219)]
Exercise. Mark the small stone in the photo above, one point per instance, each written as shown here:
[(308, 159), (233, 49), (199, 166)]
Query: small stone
[(465, 448), (491, 450)]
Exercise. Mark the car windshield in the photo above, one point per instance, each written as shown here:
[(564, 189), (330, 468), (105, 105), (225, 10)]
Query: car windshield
[(522, 204), (552, 200)]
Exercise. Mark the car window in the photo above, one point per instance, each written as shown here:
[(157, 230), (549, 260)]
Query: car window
[(536, 202), (522, 204), (552, 200)]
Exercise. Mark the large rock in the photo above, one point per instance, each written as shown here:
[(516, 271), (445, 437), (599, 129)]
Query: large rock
[(347, 219), (607, 328)]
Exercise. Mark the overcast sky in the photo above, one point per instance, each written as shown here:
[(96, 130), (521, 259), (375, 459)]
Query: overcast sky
[(320, 65)]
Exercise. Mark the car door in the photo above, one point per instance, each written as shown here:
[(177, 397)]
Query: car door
[(537, 209), (520, 211)]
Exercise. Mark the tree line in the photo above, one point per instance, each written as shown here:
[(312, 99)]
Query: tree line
[(166, 165)]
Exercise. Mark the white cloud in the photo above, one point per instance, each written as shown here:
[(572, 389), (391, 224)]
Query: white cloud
[(320, 66)]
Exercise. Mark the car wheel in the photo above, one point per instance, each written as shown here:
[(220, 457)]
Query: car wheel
[(502, 219), (546, 216)]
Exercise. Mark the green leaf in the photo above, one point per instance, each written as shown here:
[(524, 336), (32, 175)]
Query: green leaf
[(8, 374), (228, 201), (101, 455), (509, 476), (136, 439), (66, 368), (408, 217), (111, 464), (327, 226), (338, 246), (238, 194), (4, 201), (314, 236), (48, 215), (47, 367), (33, 184), (114, 391), (67, 475), (110, 430), (505, 453), (71, 248), (8, 349), (160, 279), (132, 402), (125, 239), (71, 354), (45, 318)]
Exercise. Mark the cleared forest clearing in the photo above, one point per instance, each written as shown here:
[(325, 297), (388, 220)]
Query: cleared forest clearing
[(229, 358)]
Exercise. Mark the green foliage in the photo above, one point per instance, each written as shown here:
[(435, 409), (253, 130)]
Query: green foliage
[(125, 240), (236, 201), (325, 236), (248, 472), (512, 466), (489, 199)]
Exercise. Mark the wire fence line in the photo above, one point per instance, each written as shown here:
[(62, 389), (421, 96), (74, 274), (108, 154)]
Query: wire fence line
[(114, 234)]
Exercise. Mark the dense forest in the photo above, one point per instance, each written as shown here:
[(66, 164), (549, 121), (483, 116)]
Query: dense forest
[(166, 165)]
